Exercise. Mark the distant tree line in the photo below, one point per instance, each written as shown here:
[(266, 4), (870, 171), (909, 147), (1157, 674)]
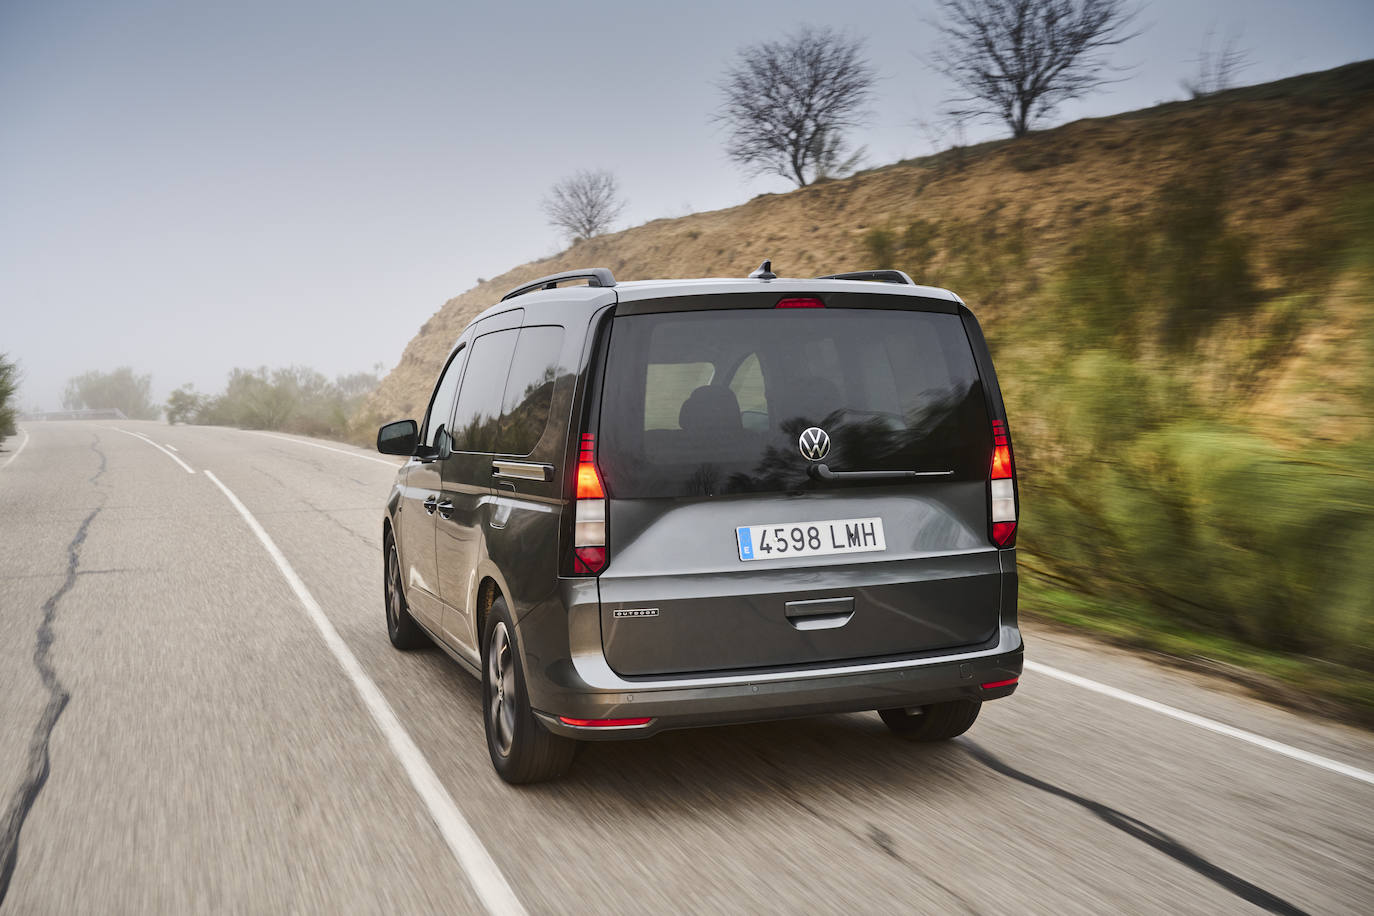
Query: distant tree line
[(121, 389), (294, 399)]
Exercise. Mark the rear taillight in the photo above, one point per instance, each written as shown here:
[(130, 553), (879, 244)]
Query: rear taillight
[(589, 527), (1002, 488)]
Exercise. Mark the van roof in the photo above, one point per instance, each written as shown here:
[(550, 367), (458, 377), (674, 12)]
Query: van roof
[(629, 291), (647, 289)]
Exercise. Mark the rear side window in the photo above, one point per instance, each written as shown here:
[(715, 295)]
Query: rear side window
[(895, 390), (477, 419), (529, 389)]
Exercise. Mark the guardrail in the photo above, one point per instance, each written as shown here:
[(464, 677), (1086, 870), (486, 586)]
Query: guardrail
[(93, 413)]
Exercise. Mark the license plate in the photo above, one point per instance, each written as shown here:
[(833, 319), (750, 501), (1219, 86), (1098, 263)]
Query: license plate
[(810, 539)]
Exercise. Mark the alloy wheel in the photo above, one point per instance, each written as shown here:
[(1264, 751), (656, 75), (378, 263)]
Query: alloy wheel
[(501, 693)]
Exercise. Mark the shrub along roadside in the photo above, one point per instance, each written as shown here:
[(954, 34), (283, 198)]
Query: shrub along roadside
[(1164, 503), (9, 387), (295, 399)]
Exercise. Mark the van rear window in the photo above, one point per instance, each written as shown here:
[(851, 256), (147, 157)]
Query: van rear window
[(714, 402)]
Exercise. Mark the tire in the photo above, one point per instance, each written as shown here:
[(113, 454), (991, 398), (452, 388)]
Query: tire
[(936, 722), (522, 749), (404, 632)]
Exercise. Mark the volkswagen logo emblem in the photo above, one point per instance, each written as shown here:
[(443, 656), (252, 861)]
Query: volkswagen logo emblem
[(814, 443)]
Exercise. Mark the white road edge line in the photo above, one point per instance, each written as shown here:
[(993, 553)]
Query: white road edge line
[(328, 448), (491, 886), (18, 450), (1211, 725), (171, 446), (184, 465)]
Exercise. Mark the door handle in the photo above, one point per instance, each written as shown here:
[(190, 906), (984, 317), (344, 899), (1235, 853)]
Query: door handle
[(445, 509), (431, 501), (825, 614)]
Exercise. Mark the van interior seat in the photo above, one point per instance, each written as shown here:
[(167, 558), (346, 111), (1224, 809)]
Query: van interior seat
[(709, 411)]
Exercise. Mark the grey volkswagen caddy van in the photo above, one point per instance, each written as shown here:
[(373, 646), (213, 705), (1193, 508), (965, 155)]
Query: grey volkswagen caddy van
[(641, 506)]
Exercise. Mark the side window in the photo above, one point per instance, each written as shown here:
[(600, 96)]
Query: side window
[(479, 403), (529, 389), (668, 386), (749, 390), (441, 404)]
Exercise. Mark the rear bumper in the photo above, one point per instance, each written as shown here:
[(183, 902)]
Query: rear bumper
[(719, 700)]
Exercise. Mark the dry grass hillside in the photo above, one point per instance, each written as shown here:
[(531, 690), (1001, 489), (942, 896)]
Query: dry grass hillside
[(1180, 302), (1289, 149)]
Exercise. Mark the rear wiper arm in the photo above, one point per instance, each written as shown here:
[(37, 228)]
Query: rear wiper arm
[(824, 473)]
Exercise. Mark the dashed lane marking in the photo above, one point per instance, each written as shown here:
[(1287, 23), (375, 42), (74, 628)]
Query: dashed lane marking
[(329, 448), (1211, 725), (186, 467)]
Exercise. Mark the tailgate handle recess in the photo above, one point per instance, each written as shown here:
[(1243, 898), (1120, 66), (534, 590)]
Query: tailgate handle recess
[(821, 614)]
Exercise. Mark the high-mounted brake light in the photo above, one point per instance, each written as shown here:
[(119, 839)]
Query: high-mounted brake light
[(1002, 488), (799, 304), (589, 528)]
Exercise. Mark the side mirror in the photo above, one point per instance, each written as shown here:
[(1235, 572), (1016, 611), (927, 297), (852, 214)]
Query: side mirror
[(399, 438)]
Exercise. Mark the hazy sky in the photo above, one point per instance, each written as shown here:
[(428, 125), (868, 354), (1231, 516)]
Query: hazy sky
[(187, 187)]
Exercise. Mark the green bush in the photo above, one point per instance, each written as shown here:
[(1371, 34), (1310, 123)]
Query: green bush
[(9, 387), (1147, 489), (881, 247), (295, 399), (120, 389)]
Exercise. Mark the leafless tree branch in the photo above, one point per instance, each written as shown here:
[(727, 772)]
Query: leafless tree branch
[(584, 204), (1218, 68), (788, 104), (1017, 60)]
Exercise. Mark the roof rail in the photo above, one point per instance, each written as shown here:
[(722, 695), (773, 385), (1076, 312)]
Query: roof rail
[(877, 276), (595, 276)]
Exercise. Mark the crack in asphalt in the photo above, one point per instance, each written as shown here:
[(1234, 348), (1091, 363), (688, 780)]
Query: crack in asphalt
[(39, 764), (1150, 836), (375, 545)]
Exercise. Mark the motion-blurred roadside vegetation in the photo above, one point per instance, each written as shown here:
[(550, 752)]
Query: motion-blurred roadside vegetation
[(295, 399), (1191, 415)]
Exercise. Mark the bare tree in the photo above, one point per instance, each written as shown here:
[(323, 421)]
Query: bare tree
[(1217, 69), (1017, 60), (584, 204), (788, 104)]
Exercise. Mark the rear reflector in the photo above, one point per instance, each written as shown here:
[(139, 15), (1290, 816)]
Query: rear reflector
[(603, 723), (799, 304), (589, 560), (996, 684)]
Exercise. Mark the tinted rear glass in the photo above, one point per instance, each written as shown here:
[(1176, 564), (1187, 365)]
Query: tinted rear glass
[(707, 403)]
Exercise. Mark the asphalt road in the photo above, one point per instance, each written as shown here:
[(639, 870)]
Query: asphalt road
[(178, 735)]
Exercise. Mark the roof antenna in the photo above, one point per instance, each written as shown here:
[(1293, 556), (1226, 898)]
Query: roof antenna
[(765, 271)]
